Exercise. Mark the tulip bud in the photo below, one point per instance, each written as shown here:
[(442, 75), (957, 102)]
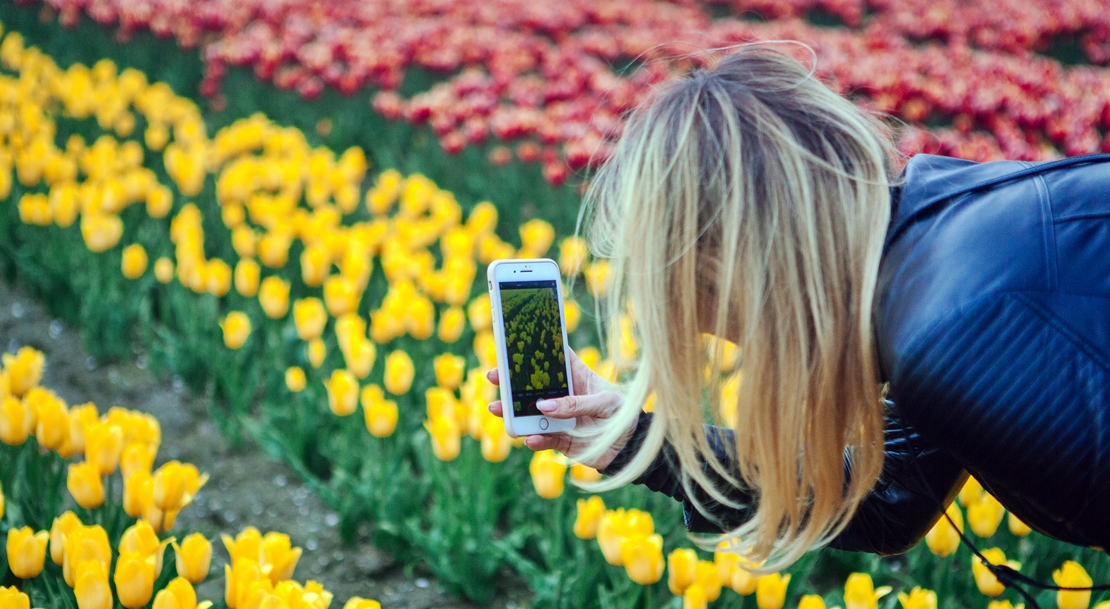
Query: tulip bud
[(85, 485), (91, 586), (273, 249), (12, 598), (1017, 527), (572, 313), (103, 446), (310, 318), (597, 278), (681, 569), (237, 328), (860, 592), (134, 578), (101, 232), (984, 515), (918, 598), (342, 390), (986, 581), (380, 413), (247, 274), (446, 437), (943, 539), (194, 558), (85, 545), (295, 379), (548, 474), (278, 558), (316, 351), (584, 473), (399, 372), (138, 493), (694, 598), (218, 278), (136, 456), (970, 492), (315, 264), (24, 369), (496, 444), (811, 601), (590, 512), (52, 428), (340, 296), (61, 527), (26, 551), (178, 594), (449, 370), (479, 313), (174, 485), (134, 261), (273, 295), (359, 356), (573, 252), (159, 201), (163, 270), (770, 591), (17, 421), (451, 324), (643, 557), (1072, 575)]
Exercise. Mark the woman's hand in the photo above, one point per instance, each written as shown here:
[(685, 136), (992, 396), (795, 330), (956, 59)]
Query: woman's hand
[(593, 402)]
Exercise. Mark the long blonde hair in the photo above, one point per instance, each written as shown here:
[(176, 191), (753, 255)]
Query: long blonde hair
[(752, 197)]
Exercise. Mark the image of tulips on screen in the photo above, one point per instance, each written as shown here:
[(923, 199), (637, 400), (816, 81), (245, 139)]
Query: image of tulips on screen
[(534, 343)]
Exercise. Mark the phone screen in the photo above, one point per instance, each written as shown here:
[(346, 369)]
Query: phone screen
[(533, 343)]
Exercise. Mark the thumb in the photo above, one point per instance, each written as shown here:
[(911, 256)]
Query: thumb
[(599, 405)]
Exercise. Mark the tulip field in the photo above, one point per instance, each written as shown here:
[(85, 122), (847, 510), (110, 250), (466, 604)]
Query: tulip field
[(290, 206)]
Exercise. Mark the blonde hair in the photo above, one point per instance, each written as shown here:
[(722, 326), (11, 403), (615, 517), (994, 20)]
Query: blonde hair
[(753, 197)]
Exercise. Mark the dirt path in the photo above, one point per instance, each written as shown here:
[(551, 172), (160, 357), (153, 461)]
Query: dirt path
[(246, 487)]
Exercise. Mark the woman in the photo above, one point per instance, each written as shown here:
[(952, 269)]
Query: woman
[(753, 203)]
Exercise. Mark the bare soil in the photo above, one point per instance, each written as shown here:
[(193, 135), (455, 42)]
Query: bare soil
[(245, 488)]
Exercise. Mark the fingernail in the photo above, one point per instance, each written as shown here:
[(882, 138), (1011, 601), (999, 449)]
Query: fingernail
[(490, 407), (546, 405)]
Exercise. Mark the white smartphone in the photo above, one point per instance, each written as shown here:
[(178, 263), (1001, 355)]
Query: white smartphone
[(526, 299)]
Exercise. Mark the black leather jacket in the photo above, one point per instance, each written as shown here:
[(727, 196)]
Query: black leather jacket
[(993, 329)]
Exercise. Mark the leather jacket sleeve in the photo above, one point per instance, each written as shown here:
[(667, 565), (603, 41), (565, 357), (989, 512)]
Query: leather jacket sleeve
[(916, 484)]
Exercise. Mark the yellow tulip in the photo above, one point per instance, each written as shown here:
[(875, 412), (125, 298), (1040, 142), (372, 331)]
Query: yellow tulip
[(584, 473), (399, 372), (159, 202), (245, 545), (708, 580), (984, 515), (273, 249), (316, 352), (91, 586), (103, 446), (811, 601), (35, 209), (141, 538), (273, 295), (178, 594), (138, 493), (84, 483), (731, 573), (694, 598), (310, 318), (643, 558), (1072, 575), (918, 598), (486, 349), (597, 278), (449, 370), (479, 313), (295, 379), (217, 278), (495, 443), (315, 263), (1004, 604), (26, 551), (62, 526), (238, 578), (244, 241), (12, 598), (943, 540), (617, 524), (536, 237), (1016, 526), (380, 414), (342, 390), (572, 313), (17, 421), (987, 583), (348, 328), (278, 557), (134, 261), (24, 369), (174, 485), (451, 324), (247, 277), (237, 328), (101, 232), (136, 456), (163, 270), (681, 569), (357, 602), (770, 591), (860, 592), (573, 252), (193, 558), (359, 356), (590, 512), (52, 426), (446, 437), (340, 296), (134, 578), (548, 474), (970, 492), (85, 545)]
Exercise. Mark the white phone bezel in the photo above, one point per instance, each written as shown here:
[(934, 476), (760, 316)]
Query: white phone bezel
[(531, 269)]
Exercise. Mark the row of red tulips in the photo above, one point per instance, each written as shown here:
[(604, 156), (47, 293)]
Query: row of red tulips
[(544, 73)]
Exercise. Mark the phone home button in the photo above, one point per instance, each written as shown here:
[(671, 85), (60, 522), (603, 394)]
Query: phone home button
[(543, 423)]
